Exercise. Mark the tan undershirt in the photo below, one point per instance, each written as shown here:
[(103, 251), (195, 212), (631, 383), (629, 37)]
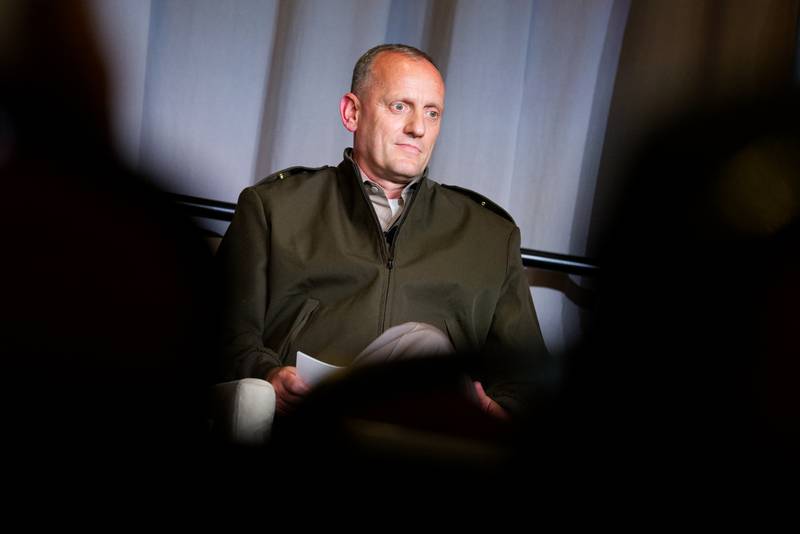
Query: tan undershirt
[(387, 209)]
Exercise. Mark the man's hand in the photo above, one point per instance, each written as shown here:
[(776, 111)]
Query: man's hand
[(289, 388), (488, 405)]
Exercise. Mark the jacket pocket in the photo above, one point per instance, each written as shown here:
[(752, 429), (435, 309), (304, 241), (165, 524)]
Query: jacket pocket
[(308, 309)]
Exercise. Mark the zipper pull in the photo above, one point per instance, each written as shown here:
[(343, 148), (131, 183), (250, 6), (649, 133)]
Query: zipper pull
[(390, 263)]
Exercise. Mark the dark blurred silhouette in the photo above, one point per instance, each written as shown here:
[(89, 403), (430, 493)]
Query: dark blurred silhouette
[(688, 378), (106, 313), (396, 440), (391, 424), (687, 386)]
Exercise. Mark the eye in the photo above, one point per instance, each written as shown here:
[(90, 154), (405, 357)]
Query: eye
[(397, 106), (432, 114)]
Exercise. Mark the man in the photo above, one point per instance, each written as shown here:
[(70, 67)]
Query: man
[(326, 260)]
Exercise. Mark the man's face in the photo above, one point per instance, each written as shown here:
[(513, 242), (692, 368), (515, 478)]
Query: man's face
[(399, 117)]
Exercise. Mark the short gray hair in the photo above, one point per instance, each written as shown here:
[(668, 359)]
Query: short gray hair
[(363, 66)]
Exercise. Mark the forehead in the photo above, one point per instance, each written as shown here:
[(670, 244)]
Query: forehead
[(393, 72)]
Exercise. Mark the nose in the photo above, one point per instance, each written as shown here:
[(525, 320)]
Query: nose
[(415, 125)]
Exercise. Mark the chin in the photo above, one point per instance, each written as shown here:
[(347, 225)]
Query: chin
[(406, 175), (409, 171)]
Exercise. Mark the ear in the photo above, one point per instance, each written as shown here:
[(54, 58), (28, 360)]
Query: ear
[(349, 106)]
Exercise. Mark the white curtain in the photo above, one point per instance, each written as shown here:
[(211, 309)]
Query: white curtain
[(213, 95), (230, 91)]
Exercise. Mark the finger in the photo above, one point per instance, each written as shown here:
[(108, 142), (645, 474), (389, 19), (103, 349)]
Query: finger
[(482, 396), (499, 412), (292, 382), (296, 385), (285, 406), (281, 374), (489, 404), (281, 408), (290, 396)]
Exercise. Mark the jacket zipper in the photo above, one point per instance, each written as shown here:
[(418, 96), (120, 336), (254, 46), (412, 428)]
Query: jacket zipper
[(390, 254), (388, 250)]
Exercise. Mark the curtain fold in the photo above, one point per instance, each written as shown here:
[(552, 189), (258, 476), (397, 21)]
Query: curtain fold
[(545, 98), (233, 91)]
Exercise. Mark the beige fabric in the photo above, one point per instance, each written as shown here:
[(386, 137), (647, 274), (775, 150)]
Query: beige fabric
[(244, 410), (387, 210), (407, 340)]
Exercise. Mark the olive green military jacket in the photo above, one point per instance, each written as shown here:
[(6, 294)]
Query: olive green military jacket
[(307, 267)]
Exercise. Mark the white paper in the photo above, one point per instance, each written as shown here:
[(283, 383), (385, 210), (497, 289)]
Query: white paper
[(311, 370)]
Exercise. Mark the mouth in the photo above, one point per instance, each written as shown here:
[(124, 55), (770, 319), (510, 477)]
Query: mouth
[(411, 149)]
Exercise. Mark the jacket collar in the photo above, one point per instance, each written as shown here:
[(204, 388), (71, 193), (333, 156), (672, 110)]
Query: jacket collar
[(353, 167), (354, 198)]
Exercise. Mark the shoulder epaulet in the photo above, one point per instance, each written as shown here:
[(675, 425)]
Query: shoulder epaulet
[(481, 200), (286, 173)]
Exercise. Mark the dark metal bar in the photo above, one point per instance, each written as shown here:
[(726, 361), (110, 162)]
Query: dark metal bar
[(203, 207), (223, 211), (558, 262)]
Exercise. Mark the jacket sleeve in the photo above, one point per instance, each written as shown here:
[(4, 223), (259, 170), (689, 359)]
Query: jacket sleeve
[(515, 358), (243, 260)]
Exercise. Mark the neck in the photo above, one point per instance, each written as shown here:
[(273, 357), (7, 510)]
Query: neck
[(392, 189)]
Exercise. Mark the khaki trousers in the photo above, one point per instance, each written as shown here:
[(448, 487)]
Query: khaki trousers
[(407, 340)]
